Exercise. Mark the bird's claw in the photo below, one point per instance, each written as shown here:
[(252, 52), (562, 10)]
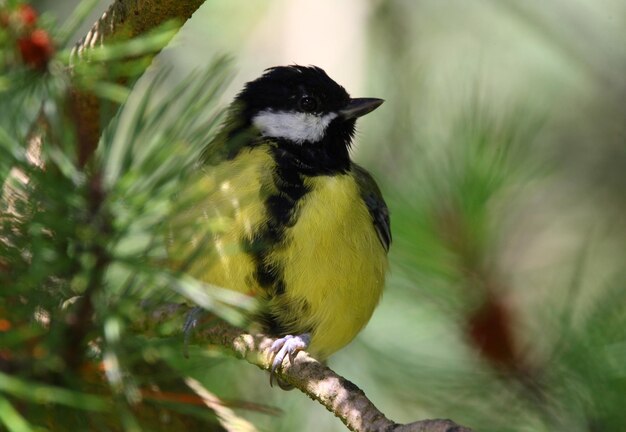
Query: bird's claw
[(286, 346), (191, 322)]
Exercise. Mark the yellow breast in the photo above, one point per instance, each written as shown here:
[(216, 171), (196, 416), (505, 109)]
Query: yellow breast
[(335, 262)]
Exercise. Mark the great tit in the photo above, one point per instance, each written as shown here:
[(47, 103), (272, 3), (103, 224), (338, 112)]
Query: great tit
[(282, 213)]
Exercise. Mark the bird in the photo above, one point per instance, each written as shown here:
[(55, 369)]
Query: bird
[(281, 213)]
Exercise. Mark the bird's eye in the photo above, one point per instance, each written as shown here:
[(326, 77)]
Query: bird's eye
[(308, 103)]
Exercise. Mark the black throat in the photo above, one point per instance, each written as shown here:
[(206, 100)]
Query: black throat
[(329, 156), (308, 160)]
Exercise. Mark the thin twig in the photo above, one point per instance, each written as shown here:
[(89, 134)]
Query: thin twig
[(79, 322)]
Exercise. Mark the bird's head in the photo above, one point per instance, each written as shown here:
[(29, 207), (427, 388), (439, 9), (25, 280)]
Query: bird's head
[(305, 112)]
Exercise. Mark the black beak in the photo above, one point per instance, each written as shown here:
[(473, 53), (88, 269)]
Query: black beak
[(359, 107)]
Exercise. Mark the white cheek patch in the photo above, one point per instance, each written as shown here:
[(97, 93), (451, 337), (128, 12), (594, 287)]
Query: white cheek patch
[(294, 126)]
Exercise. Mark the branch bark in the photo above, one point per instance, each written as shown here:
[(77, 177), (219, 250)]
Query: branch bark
[(337, 394)]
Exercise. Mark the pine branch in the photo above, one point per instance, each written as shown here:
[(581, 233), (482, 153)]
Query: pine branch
[(124, 20), (338, 395)]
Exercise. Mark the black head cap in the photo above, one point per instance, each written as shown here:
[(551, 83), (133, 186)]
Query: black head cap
[(293, 88)]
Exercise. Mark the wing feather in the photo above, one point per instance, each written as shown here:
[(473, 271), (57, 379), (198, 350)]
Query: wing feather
[(375, 203)]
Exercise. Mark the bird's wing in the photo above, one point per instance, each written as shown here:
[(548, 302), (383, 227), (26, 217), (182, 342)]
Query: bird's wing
[(217, 213), (375, 203)]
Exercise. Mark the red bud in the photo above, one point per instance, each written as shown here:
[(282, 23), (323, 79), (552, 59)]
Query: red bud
[(27, 14), (36, 49)]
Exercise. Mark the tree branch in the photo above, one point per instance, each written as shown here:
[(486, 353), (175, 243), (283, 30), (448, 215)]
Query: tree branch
[(338, 395)]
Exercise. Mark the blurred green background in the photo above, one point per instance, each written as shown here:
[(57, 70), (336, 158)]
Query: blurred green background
[(501, 151)]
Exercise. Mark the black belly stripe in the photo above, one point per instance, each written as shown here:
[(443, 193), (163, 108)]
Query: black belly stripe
[(281, 207)]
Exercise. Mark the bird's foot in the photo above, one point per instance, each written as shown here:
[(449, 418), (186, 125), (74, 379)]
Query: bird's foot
[(286, 346), (191, 322)]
